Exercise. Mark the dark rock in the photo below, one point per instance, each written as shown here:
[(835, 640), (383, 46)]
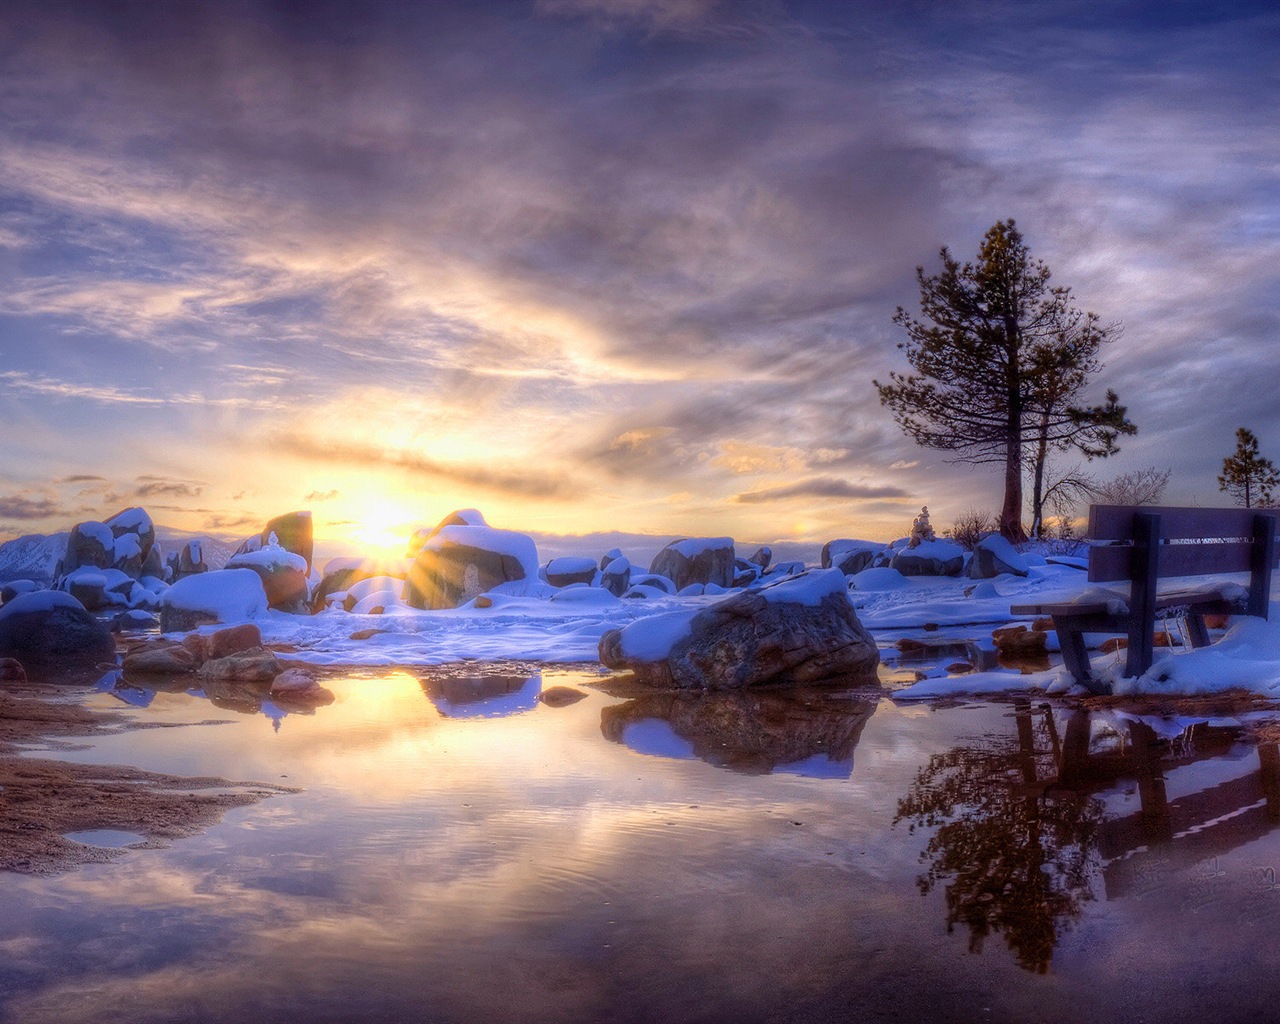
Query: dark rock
[(153, 564), (655, 580), (564, 572), (611, 555), (762, 557), (697, 560), (801, 631), (15, 587), (89, 544), (929, 558), (993, 556), (461, 561), (616, 576), (11, 671), (134, 620), (50, 632), (850, 556)]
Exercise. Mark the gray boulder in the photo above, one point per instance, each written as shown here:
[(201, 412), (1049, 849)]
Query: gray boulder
[(89, 544), (850, 556), (696, 560), (800, 631), (929, 558), (52, 635), (134, 537), (763, 556), (993, 556)]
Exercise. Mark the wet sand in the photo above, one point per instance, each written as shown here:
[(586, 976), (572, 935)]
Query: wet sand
[(42, 799)]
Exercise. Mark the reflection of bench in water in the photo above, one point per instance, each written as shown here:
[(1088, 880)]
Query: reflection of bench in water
[(1170, 835)]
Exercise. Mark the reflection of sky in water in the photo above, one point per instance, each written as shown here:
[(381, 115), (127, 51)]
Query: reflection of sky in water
[(524, 868)]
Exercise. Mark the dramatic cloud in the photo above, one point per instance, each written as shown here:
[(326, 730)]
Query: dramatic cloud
[(821, 487), (604, 253), (17, 506)]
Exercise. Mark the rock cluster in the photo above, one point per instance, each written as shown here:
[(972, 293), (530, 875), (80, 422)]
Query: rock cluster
[(52, 635)]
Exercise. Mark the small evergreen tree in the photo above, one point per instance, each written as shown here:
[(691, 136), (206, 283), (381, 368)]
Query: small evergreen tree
[(1247, 476)]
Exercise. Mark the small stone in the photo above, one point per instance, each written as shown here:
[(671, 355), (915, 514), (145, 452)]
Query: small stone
[(561, 696), (252, 666)]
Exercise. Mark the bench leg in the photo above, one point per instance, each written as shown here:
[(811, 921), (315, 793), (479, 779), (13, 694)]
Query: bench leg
[(1074, 654), (1196, 632), (1141, 650)]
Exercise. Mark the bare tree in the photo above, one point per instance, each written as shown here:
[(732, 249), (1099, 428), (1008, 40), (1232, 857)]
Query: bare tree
[(1140, 487)]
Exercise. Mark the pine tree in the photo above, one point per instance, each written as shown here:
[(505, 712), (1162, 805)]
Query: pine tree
[(1247, 476), (1001, 359)]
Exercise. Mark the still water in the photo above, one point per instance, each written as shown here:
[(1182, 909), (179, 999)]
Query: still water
[(461, 851)]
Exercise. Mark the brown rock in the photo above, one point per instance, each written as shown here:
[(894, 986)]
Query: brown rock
[(198, 645), (1018, 641), (174, 659), (1113, 644), (234, 639), (11, 671), (253, 665), (364, 634), (1044, 625), (711, 561)]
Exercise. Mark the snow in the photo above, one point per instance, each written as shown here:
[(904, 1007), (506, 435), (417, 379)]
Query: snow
[(570, 565), (694, 546), (38, 601), (1004, 551), (231, 595), (882, 578), (519, 546), (131, 519), (100, 532), (652, 639), (269, 556), (943, 550), (808, 589), (127, 545)]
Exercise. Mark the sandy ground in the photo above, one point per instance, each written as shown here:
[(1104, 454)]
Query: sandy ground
[(42, 799)]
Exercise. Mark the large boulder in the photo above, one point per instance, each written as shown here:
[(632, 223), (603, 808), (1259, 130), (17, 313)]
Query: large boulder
[(563, 572), (134, 536), (51, 634), (462, 517), (460, 561), (89, 544), (224, 595), (696, 560), (293, 532), (850, 556), (283, 574), (799, 631), (929, 558), (993, 556)]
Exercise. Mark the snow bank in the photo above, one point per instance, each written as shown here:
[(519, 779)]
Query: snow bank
[(230, 595)]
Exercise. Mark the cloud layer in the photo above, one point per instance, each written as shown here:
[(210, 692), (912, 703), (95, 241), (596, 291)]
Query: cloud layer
[(615, 260)]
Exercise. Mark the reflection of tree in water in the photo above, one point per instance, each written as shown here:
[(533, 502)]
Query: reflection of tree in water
[(1016, 856)]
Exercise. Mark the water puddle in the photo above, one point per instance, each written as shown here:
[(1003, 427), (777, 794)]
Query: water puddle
[(461, 849), (107, 838)]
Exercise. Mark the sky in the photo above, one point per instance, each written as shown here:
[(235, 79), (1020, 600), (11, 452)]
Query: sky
[(602, 265)]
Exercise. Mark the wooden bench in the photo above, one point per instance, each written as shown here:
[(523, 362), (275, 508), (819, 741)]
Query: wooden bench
[(1142, 545)]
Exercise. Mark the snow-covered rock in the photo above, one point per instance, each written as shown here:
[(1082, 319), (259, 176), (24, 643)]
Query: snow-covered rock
[(51, 634), (283, 572), (461, 561), (134, 536), (993, 556), (850, 556), (800, 630), (222, 595), (930, 558), (561, 572), (696, 560), (615, 577)]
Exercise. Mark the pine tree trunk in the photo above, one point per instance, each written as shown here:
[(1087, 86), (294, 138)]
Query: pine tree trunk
[(1037, 488), (1011, 511)]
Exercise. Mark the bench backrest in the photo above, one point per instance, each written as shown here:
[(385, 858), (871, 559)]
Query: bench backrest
[(1186, 542)]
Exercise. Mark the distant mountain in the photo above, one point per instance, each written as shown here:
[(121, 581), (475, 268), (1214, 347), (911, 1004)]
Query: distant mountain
[(32, 557), (35, 556)]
